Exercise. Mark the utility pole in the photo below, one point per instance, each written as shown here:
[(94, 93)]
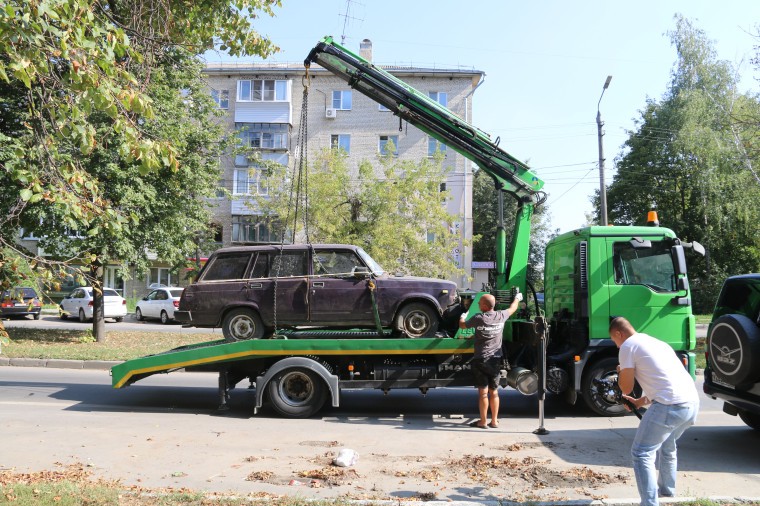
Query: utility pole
[(600, 133)]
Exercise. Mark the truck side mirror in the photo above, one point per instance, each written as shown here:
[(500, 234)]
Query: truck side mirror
[(695, 246), (680, 259)]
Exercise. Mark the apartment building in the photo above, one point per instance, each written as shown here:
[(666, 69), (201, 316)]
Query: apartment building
[(263, 103)]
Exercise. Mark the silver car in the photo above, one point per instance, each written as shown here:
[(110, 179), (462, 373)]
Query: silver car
[(159, 303), (79, 303)]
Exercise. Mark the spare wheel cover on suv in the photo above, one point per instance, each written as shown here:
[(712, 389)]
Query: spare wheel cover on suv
[(734, 349)]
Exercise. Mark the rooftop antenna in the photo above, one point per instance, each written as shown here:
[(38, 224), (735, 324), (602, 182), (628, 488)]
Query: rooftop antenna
[(346, 17)]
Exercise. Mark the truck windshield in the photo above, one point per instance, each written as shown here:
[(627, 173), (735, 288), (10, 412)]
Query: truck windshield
[(651, 267), (373, 266)]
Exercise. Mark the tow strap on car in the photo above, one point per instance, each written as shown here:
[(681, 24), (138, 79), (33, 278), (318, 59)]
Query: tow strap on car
[(371, 285)]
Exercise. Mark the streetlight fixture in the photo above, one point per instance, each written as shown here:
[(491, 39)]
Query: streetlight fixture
[(602, 187)]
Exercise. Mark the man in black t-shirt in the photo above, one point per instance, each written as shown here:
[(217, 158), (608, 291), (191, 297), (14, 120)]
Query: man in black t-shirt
[(489, 327)]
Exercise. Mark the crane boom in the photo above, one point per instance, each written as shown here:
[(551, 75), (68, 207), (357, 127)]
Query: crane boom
[(509, 174)]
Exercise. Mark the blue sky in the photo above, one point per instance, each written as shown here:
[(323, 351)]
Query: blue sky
[(545, 64)]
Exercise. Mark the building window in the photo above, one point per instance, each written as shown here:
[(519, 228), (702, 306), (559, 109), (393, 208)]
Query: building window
[(264, 135), (251, 181), (342, 141), (434, 145), (253, 229), (342, 100), (160, 275), (440, 97), (222, 98), (262, 90), (384, 140)]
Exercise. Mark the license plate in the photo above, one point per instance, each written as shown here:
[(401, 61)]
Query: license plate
[(21, 304)]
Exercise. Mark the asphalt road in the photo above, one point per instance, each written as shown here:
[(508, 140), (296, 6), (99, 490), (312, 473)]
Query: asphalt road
[(164, 432), (51, 320)]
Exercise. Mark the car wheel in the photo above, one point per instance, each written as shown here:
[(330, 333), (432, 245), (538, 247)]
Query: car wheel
[(241, 325), (118, 319), (297, 392), (139, 315), (62, 314), (417, 319), (37, 316), (600, 400), (164, 317), (82, 317), (734, 349), (751, 419)]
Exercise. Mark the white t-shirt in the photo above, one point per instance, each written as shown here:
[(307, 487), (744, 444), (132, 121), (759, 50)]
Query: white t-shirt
[(657, 369)]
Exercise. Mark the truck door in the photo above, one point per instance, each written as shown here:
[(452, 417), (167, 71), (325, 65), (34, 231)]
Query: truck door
[(337, 296), (642, 288)]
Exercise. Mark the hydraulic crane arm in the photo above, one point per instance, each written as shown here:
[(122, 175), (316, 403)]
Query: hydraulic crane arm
[(509, 174)]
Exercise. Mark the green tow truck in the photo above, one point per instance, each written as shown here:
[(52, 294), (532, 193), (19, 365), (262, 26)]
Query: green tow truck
[(590, 275)]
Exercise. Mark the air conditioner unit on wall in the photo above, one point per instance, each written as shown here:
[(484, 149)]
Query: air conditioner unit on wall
[(331, 113)]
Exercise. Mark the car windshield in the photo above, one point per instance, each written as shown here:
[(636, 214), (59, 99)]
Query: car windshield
[(651, 267), (374, 266)]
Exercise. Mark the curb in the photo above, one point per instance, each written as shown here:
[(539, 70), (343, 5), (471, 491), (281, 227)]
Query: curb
[(57, 363)]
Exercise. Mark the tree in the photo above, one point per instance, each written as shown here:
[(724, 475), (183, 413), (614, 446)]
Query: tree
[(683, 160), (399, 218), (106, 126), (484, 220)]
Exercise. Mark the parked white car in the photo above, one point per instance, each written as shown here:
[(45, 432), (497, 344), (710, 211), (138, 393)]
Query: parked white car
[(159, 303), (79, 303)]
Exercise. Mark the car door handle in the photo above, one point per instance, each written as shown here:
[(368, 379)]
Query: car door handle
[(318, 284), (255, 285)]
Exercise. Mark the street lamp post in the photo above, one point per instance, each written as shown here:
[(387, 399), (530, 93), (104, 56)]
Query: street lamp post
[(602, 187)]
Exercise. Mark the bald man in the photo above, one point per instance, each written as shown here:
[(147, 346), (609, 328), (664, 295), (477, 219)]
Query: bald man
[(486, 362), (674, 400)]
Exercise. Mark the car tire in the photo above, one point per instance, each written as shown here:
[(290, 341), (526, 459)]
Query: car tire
[(751, 419), (164, 317), (596, 400), (242, 325), (118, 319), (417, 319), (36, 316), (82, 317), (297, 392), (62, 314), (734, 349), (138, 315)]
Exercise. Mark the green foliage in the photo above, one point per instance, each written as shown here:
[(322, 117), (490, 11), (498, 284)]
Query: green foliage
[(106, 127), (399, 218), (687, 159)]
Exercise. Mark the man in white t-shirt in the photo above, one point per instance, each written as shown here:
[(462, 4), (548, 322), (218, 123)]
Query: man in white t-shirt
[(674, 400)]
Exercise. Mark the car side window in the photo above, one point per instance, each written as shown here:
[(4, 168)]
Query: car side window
[(335, 263), (151, 295), (230, 266), (260, 266), (288, 264)]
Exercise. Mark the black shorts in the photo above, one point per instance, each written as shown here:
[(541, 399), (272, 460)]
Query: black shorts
[(486, 372)]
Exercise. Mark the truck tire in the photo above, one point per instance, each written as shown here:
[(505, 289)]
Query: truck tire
[(734, 349), (241, 325), (751, 419), (417, 319), (595, 399), (297, 392)]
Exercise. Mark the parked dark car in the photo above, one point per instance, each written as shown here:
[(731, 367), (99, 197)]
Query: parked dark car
[(20, 301), (319, 285), (733, 349)]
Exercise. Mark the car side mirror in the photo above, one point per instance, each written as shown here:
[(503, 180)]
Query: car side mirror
[(145, 298), (360, 272)]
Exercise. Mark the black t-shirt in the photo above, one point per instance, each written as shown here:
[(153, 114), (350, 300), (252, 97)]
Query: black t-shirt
[(489, 327)]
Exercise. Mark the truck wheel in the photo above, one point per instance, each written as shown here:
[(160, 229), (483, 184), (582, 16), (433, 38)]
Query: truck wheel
[(297, 392), (241, 325), (600, 402), (417, 320), (734, 349), (751, 419)]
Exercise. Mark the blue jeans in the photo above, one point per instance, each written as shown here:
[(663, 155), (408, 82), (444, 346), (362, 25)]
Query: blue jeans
[(656, 437)]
